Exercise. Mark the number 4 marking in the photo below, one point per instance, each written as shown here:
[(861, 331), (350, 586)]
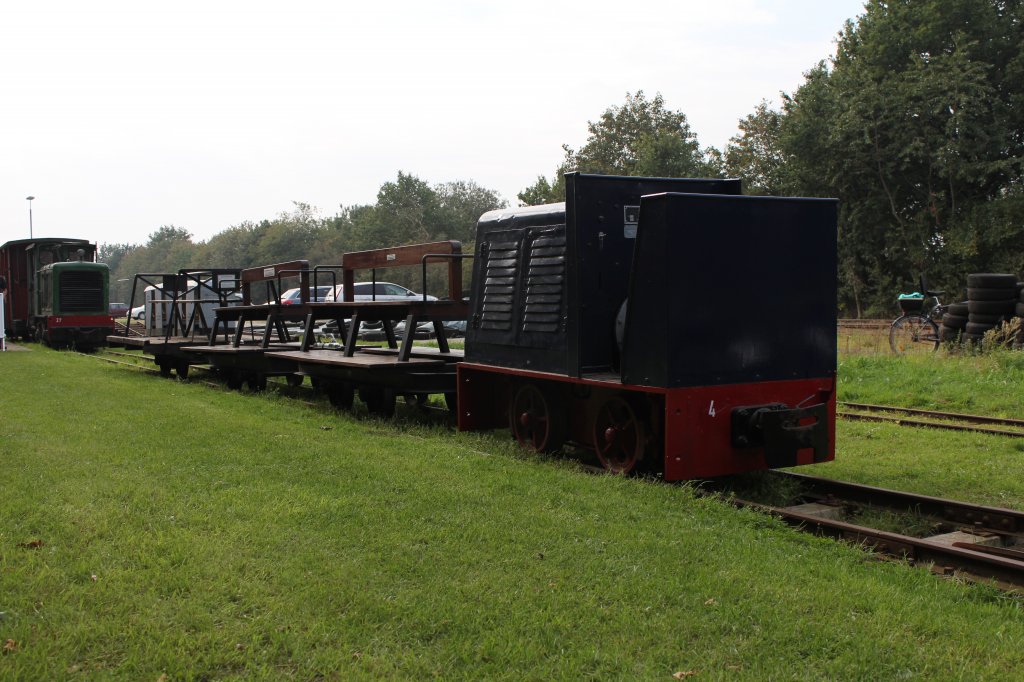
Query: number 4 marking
[(711, 409)]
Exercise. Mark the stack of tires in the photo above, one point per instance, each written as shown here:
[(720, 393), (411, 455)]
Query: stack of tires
[(954, 322), (991, 300)]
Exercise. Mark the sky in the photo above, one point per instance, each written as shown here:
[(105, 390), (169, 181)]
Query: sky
[(120, 117)]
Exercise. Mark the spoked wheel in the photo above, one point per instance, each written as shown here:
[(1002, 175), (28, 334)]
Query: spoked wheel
[(536, 419), (913, 335), (342, 395), (620, 436)]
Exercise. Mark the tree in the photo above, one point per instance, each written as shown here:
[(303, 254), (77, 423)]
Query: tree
[(641, 137), (755, 154), (917, 128)]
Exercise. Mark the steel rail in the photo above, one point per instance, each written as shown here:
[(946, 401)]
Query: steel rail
[(994, 519), (970, 418), (852, 416), (976, 564)]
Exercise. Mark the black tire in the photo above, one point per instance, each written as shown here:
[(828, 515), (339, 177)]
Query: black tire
[(341, 395), (954, 321), (991, 320), (958, 309), (950, 334), (988, 280), (1004, 307), (975, 329), (913, 335), (991, 294)]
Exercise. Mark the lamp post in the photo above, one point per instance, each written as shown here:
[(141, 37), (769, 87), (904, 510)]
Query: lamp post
[(30, 198)]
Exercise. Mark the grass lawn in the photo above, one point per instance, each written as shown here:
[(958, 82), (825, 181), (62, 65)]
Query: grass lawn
[(150, 527)]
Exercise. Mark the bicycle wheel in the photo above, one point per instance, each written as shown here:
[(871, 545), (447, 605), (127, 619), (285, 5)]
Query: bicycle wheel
[(913, 335)]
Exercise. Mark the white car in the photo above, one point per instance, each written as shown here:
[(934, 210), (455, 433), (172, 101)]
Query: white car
[(381, 291), (292, 296)]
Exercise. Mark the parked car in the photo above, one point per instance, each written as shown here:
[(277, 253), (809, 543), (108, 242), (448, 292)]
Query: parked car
[(381, 291), (118, 309), (138, 312), (293, 297)]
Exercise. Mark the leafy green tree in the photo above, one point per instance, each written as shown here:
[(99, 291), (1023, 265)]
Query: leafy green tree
[(917, 128), (641, 137), (756, 154)]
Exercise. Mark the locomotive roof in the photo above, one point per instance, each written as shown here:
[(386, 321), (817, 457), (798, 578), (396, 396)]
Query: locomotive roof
[(46, 240)]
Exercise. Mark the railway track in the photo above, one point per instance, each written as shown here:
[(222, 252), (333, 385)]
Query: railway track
[(973, 542), (863, 324), (905, 416)]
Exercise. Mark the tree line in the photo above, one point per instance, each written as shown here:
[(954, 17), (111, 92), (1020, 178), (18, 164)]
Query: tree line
[(916, 125)]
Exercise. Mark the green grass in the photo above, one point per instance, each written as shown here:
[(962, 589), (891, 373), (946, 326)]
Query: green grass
[(990, 384), (251, 536)]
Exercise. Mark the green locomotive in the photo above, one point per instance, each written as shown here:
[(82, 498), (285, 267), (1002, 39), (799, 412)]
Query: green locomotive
[(57, 293)]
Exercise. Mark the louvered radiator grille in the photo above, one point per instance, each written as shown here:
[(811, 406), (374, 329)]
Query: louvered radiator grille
[(499, 286), (81, 292), (545, 282)]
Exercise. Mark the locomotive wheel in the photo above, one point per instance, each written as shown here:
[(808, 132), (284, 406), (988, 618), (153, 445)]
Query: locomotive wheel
[(619, 436), (341, 395), (294, 380), (536, 419), (379, 401), (181, 368)]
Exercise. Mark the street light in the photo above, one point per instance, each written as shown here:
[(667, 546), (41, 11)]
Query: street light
[(30, 216)]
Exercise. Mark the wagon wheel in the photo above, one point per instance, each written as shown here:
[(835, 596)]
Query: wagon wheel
[(257, 382), (536, 419), (416, 400), (234, 378), (181, 368), (619, 435), (341, 395), (379, 401)]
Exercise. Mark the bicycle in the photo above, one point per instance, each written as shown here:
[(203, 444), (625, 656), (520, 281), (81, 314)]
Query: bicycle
[(916, 331)]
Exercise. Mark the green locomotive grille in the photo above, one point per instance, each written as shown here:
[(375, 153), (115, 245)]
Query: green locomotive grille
[(81, 291)]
